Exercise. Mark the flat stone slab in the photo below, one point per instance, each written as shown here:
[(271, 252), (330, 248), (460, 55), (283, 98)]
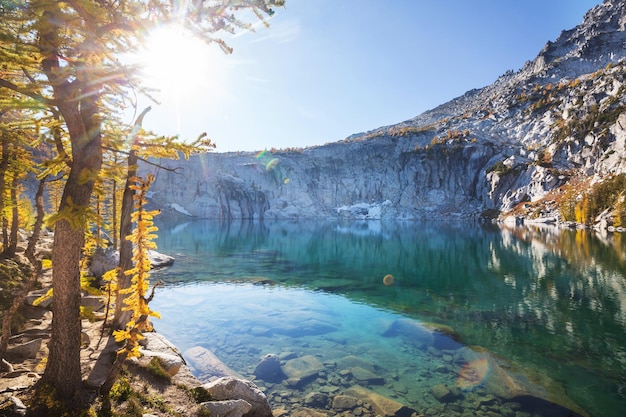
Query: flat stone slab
[(351, 361), (207, 365), (383, 406), (300, 370), (364, 376)]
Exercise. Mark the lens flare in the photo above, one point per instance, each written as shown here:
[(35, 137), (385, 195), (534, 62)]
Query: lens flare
[(473, 374), (388, 280), (271, 164), (266, 160)]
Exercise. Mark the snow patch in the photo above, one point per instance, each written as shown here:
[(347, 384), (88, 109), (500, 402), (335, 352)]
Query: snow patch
[(180, 209)]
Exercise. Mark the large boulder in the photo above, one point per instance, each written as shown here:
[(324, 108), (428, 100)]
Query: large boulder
[(229, 388), (170, 363), (105, 259), (27, 350)]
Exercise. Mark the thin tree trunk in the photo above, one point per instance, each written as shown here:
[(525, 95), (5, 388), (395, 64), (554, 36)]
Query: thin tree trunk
[(15, 219), (115, 214), (34, 237), (122, 316), (4, 168), (29, 285)]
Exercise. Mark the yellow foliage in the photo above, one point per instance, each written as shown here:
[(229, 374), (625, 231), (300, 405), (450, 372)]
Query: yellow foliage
[(138, 299), (74, 214), (48, 295)]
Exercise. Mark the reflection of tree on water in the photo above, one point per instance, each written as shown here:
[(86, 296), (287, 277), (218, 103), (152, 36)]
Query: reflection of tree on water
[(548, 299), (570, 300)]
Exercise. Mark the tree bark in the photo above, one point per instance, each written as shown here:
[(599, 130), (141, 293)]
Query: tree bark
[(121, 316), (4, 168), (11, 249), (77, 100), (36, 270)]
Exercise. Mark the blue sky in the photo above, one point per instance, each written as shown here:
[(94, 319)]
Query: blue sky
[(326, 69)]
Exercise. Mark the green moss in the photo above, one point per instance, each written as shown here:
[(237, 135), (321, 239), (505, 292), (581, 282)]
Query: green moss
[(121, 390), (157, 368), (498, 167), (200, 395)]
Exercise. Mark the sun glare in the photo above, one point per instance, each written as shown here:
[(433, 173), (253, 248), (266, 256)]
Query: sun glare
[(176, 62)]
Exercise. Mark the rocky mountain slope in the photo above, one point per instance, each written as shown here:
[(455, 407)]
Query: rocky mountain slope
[(551, 129)]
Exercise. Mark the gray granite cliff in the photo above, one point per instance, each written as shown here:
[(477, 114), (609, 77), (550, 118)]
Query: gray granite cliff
[(559, 118)]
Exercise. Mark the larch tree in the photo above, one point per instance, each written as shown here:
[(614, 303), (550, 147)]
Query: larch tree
[(72, 56)]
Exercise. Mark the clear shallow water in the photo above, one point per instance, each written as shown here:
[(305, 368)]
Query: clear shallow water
[(551, 303)]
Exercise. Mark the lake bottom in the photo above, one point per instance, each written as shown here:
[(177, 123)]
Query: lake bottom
[(343, 358)]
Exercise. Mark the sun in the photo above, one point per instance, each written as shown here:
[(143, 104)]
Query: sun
[(175, 62)]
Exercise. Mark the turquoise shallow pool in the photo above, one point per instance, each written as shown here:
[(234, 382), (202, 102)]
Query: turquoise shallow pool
[(466, 305)]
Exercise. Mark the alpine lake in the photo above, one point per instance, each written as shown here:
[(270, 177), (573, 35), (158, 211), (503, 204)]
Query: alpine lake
[(444, 319)]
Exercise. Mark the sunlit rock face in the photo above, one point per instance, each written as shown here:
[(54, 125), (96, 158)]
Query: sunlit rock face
[(378, 178), (563, 115)]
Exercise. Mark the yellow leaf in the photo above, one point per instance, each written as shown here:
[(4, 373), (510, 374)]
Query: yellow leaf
[(120, 335)]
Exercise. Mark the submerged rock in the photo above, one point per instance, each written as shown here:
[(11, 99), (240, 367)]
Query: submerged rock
[(444, 394), (207, 365), (363, 376), (383, 406), (316, 399), (309, 412), (512, 383), (345, 402), (413, 330), (351, 361), (301, 370), (269, 369), (306, 327)]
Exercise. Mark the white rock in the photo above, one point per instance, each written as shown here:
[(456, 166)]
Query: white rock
[(229, 388), (227, 408)]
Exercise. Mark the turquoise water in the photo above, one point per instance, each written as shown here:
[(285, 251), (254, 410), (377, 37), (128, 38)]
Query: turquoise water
[(546, 305)]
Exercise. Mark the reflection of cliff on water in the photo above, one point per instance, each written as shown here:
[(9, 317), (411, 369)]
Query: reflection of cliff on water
[(570, 296), (533, 294)]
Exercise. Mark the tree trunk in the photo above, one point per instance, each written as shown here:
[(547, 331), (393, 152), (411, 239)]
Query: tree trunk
[(122, 316), (77, 101), (36, 270), (34, 237), (4, 169), (11, 249), (63, 371)]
